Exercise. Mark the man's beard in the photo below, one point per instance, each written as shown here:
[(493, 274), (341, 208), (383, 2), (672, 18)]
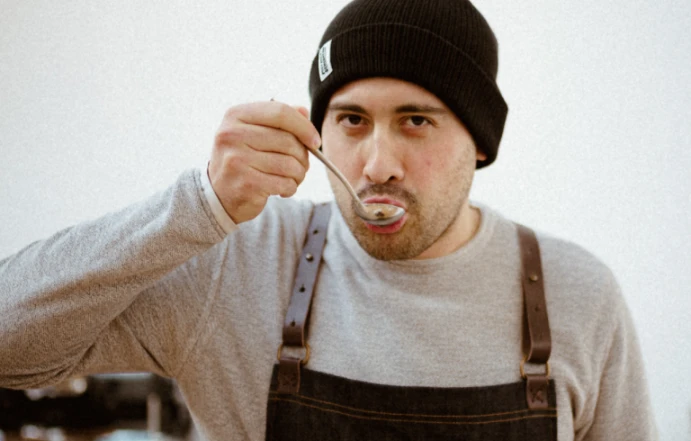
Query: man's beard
[(424, 226)]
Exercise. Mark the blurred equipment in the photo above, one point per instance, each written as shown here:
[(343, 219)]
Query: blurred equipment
[(96, 407), (134, 435)]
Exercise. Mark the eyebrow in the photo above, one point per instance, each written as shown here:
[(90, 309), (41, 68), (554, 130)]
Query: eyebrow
[(405, 108)]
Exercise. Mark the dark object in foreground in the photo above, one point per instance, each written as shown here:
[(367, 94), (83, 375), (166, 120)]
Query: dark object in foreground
[(98, 401)]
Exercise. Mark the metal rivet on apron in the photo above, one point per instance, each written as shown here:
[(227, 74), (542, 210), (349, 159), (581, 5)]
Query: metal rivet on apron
[(302, 288), (315, 232), (533, 278), (309, 257)]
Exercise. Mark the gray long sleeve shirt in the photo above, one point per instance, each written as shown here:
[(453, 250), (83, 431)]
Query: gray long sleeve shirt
[(160, 287)]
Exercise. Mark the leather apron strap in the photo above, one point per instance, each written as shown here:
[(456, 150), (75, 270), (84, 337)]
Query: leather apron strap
[(297, 317), (537, 340), (537, 343)]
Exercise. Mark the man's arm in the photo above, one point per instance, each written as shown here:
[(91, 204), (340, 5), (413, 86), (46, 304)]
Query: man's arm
[(622, 402), (120, 293), (63, 294)]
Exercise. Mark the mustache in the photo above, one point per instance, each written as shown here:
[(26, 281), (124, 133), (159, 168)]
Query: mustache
[(389, 190)]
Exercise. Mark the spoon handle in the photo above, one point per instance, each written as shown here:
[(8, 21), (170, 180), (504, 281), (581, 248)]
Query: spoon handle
[(338, 174)]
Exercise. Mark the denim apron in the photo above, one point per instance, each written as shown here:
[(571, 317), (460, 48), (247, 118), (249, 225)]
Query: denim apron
[(308, 405)]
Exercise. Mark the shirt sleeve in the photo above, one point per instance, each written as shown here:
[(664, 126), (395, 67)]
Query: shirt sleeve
[(119, 293), (622, 408), (217, 209)]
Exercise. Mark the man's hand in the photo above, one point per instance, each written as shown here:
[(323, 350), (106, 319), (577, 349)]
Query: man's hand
[(259, 150)]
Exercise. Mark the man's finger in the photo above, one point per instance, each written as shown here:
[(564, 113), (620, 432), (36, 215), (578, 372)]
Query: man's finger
[(303, 110), (284, 117), (268, 139), (279, 165)]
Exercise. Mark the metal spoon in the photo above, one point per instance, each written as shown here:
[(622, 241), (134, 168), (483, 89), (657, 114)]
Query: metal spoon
[(375, 214)]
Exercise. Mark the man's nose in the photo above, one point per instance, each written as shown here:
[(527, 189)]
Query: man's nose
[(383, 161)]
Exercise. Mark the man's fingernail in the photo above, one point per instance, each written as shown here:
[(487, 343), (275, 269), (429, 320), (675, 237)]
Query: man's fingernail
[(316, 142)]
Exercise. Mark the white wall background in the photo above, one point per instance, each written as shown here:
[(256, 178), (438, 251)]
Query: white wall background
[(103, 103)]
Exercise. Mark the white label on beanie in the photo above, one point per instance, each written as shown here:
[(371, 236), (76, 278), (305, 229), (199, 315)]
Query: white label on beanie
[(325, 67)]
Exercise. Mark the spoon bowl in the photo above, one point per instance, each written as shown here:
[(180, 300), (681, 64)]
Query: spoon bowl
[(380, 214)]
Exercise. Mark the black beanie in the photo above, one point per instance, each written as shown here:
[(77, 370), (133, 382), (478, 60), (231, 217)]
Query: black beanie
[(444, 46)]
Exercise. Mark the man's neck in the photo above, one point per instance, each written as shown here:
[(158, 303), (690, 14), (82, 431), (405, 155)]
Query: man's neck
[(459, 233)]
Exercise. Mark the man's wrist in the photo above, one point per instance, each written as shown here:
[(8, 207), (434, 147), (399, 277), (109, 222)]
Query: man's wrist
[(217, 209)]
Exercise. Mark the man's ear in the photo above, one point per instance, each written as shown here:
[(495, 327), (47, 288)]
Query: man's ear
[(480, 155)]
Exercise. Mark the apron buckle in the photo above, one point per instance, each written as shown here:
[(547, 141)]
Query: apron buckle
[(523, 374), (303, 360)]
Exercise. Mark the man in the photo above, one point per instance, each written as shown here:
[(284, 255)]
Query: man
[(285, 320)]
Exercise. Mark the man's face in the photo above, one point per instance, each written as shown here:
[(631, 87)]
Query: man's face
[(399, 143)]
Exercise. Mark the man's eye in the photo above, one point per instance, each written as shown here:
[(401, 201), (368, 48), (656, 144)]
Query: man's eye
[(355, 120), (352, 119), (418, 120)]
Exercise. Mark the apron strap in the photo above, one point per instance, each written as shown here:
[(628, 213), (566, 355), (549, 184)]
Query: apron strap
[(537, 343), (296, 321), (537, 340)]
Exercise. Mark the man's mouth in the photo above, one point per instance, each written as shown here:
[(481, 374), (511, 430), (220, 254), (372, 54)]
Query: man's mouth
[(386, 229), (384, 200)]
